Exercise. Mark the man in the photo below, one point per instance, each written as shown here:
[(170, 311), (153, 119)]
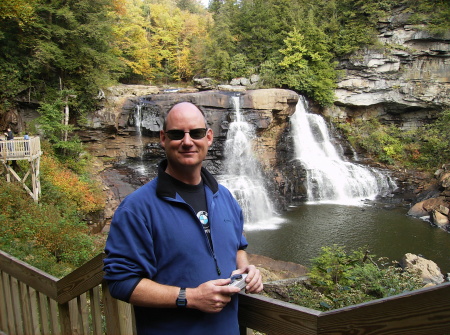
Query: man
[(174, 243), (26, 137), (9, 137)]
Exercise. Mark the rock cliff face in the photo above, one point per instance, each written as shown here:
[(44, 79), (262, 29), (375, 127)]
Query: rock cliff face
[(128, 127), (405, 81)]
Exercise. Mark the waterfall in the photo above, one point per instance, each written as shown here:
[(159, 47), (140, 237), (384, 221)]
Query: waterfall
[(147, 120), (243, 177), (330, 179), (138, 126)]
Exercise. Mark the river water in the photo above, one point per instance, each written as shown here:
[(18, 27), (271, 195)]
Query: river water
[(386, 232)]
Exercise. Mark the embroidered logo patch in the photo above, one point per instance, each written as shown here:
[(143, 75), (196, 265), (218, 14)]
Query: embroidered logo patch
[(203, 217)]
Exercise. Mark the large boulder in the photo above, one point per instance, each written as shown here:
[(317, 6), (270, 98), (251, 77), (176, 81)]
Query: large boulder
[(424, 208), (436, 200), (438, 218), (429, 271)]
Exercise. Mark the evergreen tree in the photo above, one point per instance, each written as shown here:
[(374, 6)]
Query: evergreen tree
[(222, 43), (60, 45)]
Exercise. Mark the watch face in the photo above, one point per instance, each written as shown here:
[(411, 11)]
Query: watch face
[(181, 302)]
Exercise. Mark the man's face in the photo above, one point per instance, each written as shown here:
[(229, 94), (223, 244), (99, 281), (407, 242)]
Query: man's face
[(185, 152)]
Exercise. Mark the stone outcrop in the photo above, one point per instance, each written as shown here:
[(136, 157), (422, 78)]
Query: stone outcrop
[(274, 270), (128, 127), (404, 81), (407, 82), (429, 271), (434, 201)]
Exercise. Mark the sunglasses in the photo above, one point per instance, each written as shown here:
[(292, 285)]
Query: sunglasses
[(195, 134)]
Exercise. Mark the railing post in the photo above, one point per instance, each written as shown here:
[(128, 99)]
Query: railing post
[(7, 314), (96, 313), (119, 318), (64, 318)]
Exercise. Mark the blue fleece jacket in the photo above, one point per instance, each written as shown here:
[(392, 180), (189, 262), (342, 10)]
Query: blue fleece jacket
[(155, 234)]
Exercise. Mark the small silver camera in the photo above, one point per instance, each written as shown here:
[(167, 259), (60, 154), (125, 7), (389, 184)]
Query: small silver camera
[(238, 280)]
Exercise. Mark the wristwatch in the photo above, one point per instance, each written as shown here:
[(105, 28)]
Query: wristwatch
[(181, 300)]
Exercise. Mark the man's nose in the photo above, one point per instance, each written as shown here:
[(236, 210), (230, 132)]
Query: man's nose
[(187, 140)]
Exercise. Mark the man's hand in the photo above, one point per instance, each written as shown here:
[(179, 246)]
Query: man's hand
[(212, 296), (253, 280)]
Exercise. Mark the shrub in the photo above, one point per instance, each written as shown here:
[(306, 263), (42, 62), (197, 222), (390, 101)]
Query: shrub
[(66, 186), (424, 148), (43, 235), (51, 235), (339, 278)]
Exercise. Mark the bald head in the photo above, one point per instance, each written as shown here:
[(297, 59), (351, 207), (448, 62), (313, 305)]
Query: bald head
[(185, 106)]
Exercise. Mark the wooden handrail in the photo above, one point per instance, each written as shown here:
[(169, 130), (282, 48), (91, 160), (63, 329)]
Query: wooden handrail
[(20, 148), (81, 280), (31, 276), (424, 311), (27, 289), (23, 149), (59, 306)]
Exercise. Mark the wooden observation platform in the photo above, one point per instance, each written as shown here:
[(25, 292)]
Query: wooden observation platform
[(22, 149)]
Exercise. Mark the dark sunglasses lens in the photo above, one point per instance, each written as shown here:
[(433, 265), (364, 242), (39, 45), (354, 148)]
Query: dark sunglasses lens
[(175, 134), (197, 134)]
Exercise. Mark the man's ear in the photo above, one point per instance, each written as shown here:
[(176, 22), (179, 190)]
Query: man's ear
[(162, 138), (210, 136)]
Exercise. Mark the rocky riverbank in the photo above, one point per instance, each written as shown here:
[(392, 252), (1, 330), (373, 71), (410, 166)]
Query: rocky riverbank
[(427, 194)]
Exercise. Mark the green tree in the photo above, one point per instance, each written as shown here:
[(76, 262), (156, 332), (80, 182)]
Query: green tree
[(15, 16), (435, 143), (434, 13), (131, 30), (260, 27), (60, 45), (309, 67), (51, 122), (190, 6), (221, 47)]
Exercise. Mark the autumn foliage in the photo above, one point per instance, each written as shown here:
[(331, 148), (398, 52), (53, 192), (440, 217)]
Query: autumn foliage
[(85, 195), (52, 235)]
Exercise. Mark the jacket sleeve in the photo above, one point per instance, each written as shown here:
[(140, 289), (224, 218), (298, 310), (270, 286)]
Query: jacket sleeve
[(129, 250), (122, 289)]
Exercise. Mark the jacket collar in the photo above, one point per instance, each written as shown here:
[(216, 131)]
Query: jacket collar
[(166, 188)]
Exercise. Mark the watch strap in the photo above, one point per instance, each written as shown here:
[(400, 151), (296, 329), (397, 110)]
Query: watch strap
[(181, 300)]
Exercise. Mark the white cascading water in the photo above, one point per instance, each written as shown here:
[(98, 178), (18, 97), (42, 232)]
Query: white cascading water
[(243, 177), (138, 125), (329, 178)]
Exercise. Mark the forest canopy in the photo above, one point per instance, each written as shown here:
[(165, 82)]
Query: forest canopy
[(83, 46)]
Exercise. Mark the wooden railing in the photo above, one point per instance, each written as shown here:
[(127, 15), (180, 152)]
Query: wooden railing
[(19, 148), (33, 302), (23, 149)]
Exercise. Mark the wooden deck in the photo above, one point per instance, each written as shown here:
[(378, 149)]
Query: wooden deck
[(22, 149), (19, 148)]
